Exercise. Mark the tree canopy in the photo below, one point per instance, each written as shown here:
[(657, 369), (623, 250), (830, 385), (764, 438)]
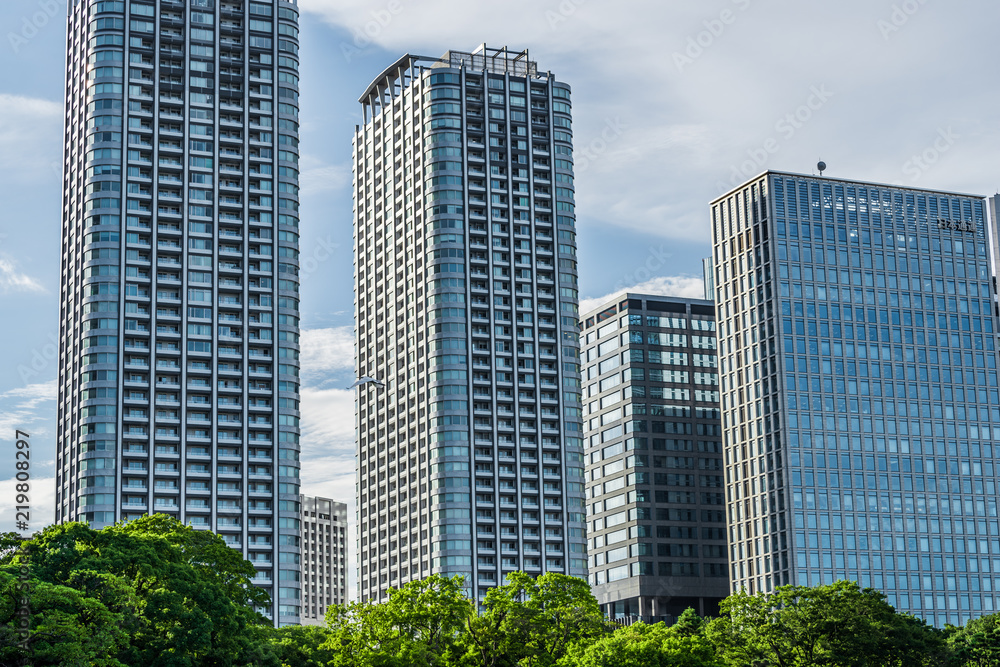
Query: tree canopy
[(836, 625), (152, 592), (147, 592)]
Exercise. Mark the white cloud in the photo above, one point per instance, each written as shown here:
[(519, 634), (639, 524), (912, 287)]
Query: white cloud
[(30, 409), (42, 391), (323, 421), (24, 408), (328, 455), (324, 177), (688, 287), (30, 128), (698, 98), (12, 280), (327, 351), (41, 501)]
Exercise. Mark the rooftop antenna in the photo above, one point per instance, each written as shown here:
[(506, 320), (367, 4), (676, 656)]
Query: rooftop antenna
[(821, 166)]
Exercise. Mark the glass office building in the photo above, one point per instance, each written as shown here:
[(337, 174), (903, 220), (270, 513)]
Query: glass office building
[(860, 405), (179, 335), (655, 473), (470, 459)]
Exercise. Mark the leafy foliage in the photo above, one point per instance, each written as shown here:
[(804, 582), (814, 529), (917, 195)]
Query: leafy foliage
[(301, 646), (418, 626), (977, 644), (836, 625), (641, 645), (154, 593), (148, 592), (532, 622)]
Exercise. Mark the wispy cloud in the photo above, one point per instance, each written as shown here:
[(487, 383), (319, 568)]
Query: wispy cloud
[(30, 128), (700, 125), (42, 391), (30, 409), (328, 442), (320, 177), (25, 407), (12, 280), (688, 287), (28, 107), (42, 502), (326, 351), (328, 468)]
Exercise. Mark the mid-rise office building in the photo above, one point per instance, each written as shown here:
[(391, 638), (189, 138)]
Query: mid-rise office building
[(179, 336), (470, 458), (324, 557), (860, 405), (655, 485)]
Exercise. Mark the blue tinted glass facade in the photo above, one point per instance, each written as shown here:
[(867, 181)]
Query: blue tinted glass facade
[(859, 390)]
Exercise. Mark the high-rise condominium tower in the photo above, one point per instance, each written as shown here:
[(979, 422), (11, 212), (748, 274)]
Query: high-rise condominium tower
[(860, 404), (178, 367), (324, 557), (655, 485), (470, 458)]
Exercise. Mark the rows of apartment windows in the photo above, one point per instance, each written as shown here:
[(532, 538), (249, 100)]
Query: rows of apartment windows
[(166, 244), (524, 302), (452, 351)]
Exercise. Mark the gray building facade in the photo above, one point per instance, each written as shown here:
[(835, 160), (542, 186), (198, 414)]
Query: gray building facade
[(471, 458), (179, 332), (324, 557), (655, 470), (860, 405)]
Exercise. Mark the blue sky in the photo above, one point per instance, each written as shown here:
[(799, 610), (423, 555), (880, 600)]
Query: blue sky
[(673, 101)]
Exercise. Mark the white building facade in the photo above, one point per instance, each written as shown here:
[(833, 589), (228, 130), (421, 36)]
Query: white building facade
[(324, 557), (470, 459)]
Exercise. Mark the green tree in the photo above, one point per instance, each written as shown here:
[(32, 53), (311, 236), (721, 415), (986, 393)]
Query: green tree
[(419, 626), (67, 627), (532, 622), (641, 645), (689, 623), (148, 592), (836, 625), (301, 646), (977, 644)]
